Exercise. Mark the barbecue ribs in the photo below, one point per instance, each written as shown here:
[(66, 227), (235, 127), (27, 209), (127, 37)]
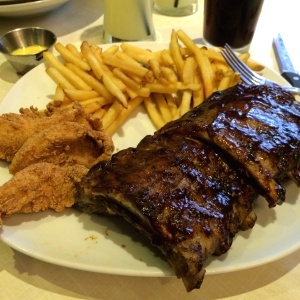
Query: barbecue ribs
[(258, 126), (190, 187)]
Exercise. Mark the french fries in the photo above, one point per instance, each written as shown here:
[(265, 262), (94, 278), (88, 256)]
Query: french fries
[(111, 83)]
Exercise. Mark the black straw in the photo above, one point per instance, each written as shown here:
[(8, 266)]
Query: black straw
[(176, 2)]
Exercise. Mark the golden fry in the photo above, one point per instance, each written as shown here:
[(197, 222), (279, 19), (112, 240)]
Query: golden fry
[(110, 84), (176, 54), (76, 81), (255, 66), (92, 107), (112, 49), (112, 87), (169, 74), (106, 70), (150, 77), (92, 60), (58, 78), (124, 114), (219, 70), (186, 102), (91, 81), (194, 86), (111, 114), (131, 84), (153, 113), (167, 59), (188, 70), (226, 80), (80, 95), (236, 79), (139, 54), (162, 88), (127, 65), (198, 95), (203, 63), (131, 93), (59, 94), (155, 67), (98, 114), (102, 75), (172, 105), (74, 50), (163, 107), (214, 55), (102, 101), (70, 57), (244, 56)]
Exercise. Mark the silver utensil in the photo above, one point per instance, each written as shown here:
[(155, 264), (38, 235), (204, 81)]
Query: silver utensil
[(247, 75), (285, 64)]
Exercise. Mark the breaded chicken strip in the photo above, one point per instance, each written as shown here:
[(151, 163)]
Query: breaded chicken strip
[(64, 144), (16, 128), (39, 187)]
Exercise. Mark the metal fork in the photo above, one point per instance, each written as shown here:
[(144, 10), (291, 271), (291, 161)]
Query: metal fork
[(247, 75)]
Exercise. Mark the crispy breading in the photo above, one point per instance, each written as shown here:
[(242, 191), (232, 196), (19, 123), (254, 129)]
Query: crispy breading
[(39, 187), (49, 152), (16, 128), (64, 144)]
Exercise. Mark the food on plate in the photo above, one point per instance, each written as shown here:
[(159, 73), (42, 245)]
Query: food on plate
[(257, 126), (38, 187), (48, 154), (169, 81), (190, 187), (64, 144), (15, 128)]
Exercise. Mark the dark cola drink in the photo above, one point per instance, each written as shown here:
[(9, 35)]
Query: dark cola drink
[(231, 21)]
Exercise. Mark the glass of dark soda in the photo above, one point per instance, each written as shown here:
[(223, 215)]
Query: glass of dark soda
[(231, 21)]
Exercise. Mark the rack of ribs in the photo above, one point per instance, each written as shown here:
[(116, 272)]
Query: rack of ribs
[(191, 186)]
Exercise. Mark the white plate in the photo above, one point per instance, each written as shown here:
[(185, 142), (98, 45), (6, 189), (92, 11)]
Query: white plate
[(29, 8), (109, 245)]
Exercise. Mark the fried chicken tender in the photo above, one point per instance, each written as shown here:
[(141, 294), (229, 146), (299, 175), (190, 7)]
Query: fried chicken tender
[(50, 153), (16, 128), (39, 187), (64, 144)]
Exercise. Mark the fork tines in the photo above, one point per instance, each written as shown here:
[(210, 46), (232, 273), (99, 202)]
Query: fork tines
[(247, 75)]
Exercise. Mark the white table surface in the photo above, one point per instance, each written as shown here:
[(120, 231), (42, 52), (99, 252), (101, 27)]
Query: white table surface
[(23, 277)]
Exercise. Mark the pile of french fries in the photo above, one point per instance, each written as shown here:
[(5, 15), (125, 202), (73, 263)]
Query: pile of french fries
[(111, 83)]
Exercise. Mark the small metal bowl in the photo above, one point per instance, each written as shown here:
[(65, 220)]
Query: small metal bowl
[(22, 38)]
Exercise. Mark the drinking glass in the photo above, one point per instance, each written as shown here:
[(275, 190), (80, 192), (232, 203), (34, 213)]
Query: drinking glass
[(128, 20), (231, 21)]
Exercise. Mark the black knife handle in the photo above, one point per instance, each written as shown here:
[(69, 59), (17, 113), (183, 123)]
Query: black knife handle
[(292, 78)]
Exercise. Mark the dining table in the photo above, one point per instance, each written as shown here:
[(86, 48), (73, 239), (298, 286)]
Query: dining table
[(23, 276)]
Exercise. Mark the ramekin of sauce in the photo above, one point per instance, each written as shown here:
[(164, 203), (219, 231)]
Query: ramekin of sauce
[(24, 47)]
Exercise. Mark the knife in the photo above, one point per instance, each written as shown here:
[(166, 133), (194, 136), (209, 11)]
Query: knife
[(286, 67)]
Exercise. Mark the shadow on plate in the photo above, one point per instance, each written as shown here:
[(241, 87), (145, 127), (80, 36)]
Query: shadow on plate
[(123, 235), (266, 215), (114, 229)]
